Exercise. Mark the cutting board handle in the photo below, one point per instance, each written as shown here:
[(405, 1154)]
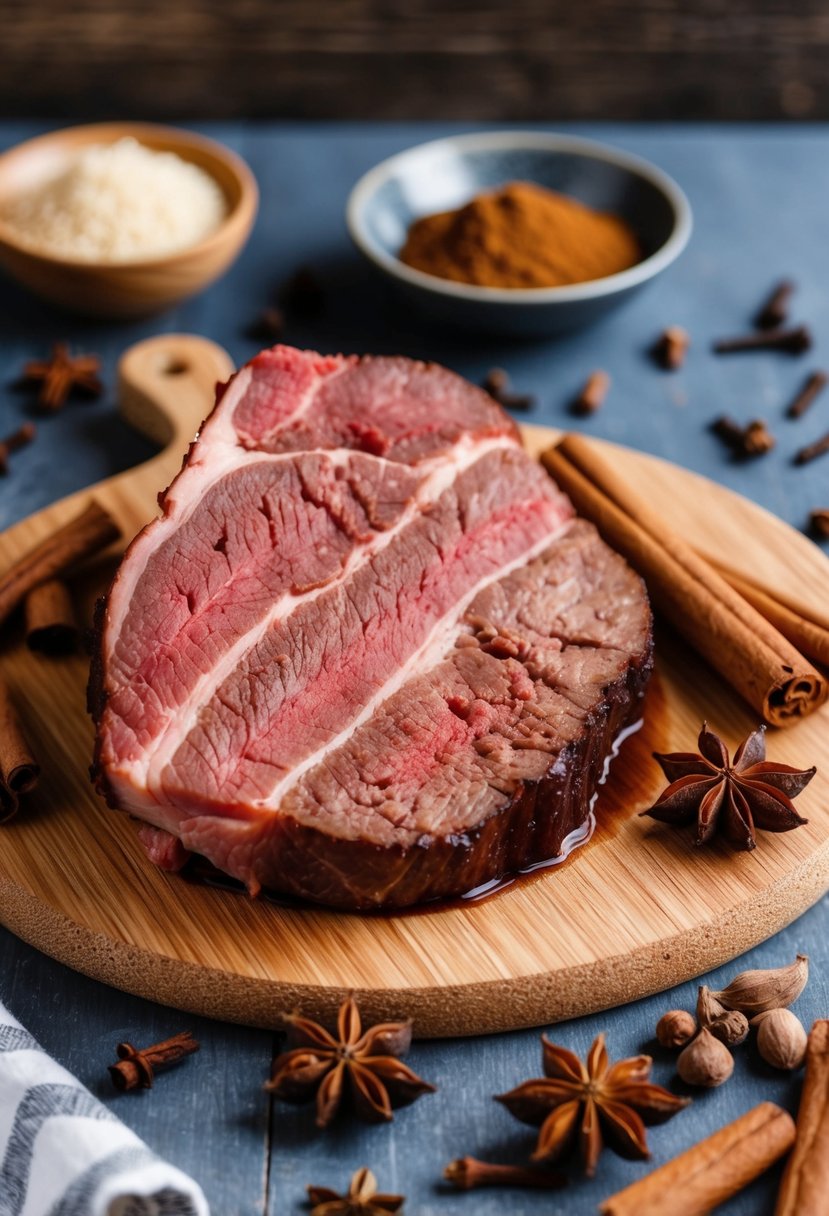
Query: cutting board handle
[(166, 385)]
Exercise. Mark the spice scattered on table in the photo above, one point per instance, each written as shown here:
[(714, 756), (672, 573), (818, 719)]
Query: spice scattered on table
[(595, 1102), (709, 1173), (268, 327), (706, 1061), (733, 798), (51, 628), (62, 375), (675, 1028), (812, 388), (722, 1022), (592, 396), (753, 439), (792, 341), (671, 347), (781, 1039), (497, 384), (19, 770), (812, 450), (14, 442), (361, 1199), (118, 202), (136, 1068), (805, 1185), (730, 1026), (302, 295), (521, 236), (757, 991), (775, 309), (467, 1174), (819, 522), (364, 1066)]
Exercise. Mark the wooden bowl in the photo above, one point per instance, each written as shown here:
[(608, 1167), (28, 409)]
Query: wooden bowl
[(135, 288)]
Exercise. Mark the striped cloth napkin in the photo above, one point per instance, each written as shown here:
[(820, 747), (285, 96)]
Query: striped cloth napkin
[(62, 1153)]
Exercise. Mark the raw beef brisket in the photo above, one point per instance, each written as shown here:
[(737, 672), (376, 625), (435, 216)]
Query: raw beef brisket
[(366, 655)]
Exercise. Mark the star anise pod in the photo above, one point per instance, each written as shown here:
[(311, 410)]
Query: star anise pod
[(590, 1105), (62, 374), (361, 1199), (363, 1064), (735, 798)]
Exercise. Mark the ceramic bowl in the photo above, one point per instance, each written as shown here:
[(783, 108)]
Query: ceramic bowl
[(446, 173), (135, 288)]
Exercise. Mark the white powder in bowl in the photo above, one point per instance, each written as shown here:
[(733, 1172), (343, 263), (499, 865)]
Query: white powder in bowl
[(119, 202)]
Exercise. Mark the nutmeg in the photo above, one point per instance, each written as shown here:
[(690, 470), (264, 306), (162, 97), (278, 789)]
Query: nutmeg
[(705, 1061), (781, 1038), (676, 1028)]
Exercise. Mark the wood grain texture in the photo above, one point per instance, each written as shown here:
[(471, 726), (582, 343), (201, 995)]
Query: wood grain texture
[(651, 59), (636, 912)]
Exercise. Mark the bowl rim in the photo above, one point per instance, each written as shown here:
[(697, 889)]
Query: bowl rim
[(548, 141), (239, 217)]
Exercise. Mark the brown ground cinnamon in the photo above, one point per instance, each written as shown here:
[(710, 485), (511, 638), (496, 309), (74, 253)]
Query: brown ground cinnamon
[(753, 656), (19, 770), (51, 627), (805, 1185), (708, 1174), (521, 236), (93, 529)]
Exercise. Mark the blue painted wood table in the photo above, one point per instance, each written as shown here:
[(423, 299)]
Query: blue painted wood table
[(759, 197)]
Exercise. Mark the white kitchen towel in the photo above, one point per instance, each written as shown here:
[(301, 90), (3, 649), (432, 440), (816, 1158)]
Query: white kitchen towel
[(63, 1153)]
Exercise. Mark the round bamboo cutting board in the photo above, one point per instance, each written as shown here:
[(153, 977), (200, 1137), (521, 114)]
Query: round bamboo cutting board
[(634, 911)]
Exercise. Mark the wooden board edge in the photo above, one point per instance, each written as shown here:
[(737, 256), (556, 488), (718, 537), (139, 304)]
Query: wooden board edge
[(488, 1007)]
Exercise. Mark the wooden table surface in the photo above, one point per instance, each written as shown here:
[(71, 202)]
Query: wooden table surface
[(759, 201)]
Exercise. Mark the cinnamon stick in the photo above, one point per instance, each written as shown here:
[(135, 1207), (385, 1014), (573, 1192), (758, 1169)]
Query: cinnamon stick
[(51, 628), (810, 637), (710, 1172), (753, 656), (805, 1185), (19, 770), (82, 536)]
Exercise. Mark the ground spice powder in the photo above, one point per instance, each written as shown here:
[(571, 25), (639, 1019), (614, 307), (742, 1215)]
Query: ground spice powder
[(521, 236)]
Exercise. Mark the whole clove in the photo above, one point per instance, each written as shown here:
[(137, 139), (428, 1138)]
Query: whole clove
[(775, 309), (792, 341), (497, 384), (754, 439), (302, 295), (269, 326), (812, 450), (14, 442), (467, 1173), (671, 347), (136, 1068), (819, 522), (757, 439), (592, 396), (812, 388)]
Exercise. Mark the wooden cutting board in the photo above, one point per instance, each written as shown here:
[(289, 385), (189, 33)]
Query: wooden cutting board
[(634, 911)]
